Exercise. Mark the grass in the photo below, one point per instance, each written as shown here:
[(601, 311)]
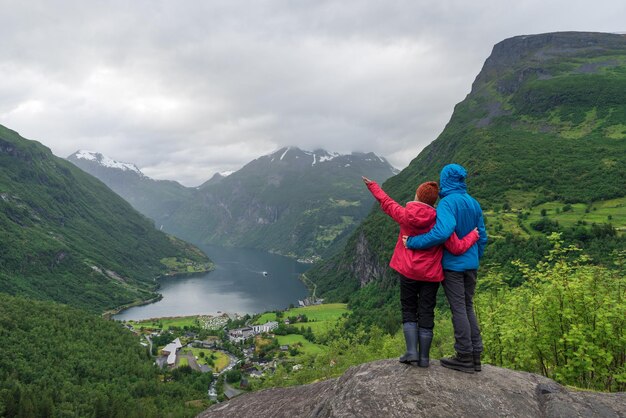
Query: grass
[(220, 363), (520, 199), (166, 323), (307, 346), (611, 211), (344, 203), (598, 212), (184, 265), (321, 317), (617, 131), (328, 233), (508, 221)]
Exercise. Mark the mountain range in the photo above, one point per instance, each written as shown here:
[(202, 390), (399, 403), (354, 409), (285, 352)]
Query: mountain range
[(294, 202)]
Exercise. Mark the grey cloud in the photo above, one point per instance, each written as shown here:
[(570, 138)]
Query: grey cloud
[(187, 89)]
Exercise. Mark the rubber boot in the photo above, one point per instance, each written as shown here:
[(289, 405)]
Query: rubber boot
[(461, 362), (410, 337), (477, 365), (425, 338)]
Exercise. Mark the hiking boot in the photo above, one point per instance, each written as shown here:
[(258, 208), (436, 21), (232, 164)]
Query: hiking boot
[(410, 337), (461, 362), (476, 356), (425, 337)]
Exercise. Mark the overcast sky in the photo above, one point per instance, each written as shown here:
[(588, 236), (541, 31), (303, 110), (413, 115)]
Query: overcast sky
[(185, 89)]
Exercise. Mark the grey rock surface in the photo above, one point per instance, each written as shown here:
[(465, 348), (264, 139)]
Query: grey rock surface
[(388, 388)]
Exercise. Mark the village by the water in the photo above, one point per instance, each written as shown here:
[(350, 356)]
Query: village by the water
[(241, 351)]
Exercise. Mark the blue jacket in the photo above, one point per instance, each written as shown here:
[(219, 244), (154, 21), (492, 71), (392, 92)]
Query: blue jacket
[(456, 212)]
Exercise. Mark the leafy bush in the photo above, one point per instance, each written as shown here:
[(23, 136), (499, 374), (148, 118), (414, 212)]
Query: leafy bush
[(567, 321)]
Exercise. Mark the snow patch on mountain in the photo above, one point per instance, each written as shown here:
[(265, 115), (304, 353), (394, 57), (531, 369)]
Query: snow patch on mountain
[(86, 155), (105, 161), (329, 156), (319, 156)]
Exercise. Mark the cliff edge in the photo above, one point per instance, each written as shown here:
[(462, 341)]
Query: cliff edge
[(388, 388)]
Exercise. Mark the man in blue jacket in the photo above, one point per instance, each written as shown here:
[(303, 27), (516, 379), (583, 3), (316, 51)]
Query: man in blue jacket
[(458, 212)]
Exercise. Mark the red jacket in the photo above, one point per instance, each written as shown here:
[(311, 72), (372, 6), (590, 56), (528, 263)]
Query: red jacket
[(415, 219)]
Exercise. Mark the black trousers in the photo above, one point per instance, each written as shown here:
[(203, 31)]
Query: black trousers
[(459, 287), (418, 300)]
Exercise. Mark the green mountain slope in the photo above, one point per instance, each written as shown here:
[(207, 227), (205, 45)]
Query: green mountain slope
[(294, 202), (156, 199), (544, 127), (67, 237), (59, 361)]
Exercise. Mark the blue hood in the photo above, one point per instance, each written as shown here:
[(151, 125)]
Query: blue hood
[(452, 180)]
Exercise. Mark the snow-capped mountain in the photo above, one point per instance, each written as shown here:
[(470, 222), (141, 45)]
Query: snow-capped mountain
[(322, 157), (156, 199), (290, 201)]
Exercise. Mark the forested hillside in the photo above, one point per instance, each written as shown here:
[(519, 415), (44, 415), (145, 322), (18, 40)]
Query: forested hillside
[(543, 138), (59, 361), (67, 237)]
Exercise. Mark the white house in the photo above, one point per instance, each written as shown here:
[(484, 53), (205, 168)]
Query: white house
[(170, 351), (267, 327)]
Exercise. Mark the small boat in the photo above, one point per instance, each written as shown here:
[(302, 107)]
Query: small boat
[(265, 273)]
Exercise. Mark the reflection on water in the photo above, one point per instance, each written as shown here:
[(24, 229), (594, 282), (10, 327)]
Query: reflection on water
[(238, 284)]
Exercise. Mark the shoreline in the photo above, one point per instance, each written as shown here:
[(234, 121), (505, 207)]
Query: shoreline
[(310, 285), (117, 310), (157, 318)]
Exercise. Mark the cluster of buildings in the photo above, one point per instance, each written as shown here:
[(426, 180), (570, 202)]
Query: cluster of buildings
[(241, 334), (310, 301), (213, 322)]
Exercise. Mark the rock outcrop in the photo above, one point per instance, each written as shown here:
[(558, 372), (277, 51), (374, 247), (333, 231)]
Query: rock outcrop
[(365, 265), (390, 389)]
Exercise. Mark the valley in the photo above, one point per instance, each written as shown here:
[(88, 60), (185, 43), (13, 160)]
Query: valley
[(188, 324)]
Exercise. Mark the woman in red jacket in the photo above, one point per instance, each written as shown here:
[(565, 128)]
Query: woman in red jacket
[(420, 272)]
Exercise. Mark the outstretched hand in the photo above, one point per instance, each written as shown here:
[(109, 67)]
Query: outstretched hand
[(366, 180), (404, 238)]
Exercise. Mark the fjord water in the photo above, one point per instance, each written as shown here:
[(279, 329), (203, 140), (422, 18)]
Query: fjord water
[(237, 284)]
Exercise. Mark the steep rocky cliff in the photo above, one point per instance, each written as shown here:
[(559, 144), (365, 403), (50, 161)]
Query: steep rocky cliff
[(388, 388)]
